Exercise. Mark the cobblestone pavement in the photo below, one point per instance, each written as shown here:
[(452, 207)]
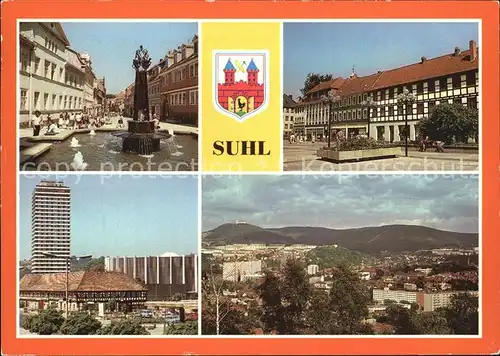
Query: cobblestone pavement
[(302, 157)]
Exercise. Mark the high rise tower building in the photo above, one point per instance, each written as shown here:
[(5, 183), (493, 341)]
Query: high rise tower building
[(51, 227)]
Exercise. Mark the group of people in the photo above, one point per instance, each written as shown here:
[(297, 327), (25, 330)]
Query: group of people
[(69, 121), (426, 142)]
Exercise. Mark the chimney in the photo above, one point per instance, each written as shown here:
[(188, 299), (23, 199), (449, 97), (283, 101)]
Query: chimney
[(423, 59), (473, 50), (457, 51)]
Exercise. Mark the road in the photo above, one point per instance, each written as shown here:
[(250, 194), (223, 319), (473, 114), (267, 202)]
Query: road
[(302, 157)]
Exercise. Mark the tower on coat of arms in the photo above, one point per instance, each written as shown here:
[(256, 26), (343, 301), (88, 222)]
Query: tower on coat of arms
[(241, 83)]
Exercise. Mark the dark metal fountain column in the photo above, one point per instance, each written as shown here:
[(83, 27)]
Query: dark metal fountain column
[(141, 137)]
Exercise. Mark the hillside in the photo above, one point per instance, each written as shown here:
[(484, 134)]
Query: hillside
[(331, 256), (392, 238)]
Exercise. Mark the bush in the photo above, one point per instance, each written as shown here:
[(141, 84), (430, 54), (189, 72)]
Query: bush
[(47, 322), (124, 327), (358, 143), (187, 328), (80, 323)]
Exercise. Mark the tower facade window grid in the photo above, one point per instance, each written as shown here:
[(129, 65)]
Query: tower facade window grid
[(50, 227)]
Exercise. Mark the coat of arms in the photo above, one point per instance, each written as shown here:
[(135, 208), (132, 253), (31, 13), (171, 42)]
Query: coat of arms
[(241, 88)]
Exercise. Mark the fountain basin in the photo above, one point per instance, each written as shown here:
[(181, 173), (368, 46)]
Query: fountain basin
[(103, 152), (141, 137)]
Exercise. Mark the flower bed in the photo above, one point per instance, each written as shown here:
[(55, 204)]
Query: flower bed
[(358, 148)]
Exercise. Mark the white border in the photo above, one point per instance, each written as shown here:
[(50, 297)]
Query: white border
[(201, 174), (215, 82)]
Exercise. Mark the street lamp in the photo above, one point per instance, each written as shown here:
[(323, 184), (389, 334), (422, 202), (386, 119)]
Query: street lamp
[(405, 99), (67, 259), (369, 103), (330, 99)]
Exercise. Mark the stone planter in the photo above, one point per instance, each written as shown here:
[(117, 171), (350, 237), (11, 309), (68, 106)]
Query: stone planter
[(345, 156)]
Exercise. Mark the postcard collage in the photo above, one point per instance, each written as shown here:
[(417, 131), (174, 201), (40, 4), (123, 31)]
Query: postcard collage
[(255, 178)]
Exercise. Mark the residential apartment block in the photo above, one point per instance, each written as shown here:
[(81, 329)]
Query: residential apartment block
[(51, 227), (451, 78)]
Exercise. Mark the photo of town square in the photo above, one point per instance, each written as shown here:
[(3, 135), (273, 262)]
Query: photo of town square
[(407, 99), (108, 255), (357, 255), (108, 96)]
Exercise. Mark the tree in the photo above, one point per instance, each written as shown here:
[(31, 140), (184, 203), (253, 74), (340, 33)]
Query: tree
[(412, 322), (312, 80), (295, 294), (272, 308), (450, 123), (187, 328), (462, 314), (80, 323), (47, 322), (95, 264), (124, 327), (349, 300), (232, 319), (215, 305), (111, 305), (319, 315)]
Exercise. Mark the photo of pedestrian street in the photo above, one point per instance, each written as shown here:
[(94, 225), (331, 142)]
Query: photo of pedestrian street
[(353, 255), (108, 255), (408, 99), (108, 96)]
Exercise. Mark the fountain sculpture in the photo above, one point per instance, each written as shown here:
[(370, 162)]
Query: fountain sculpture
[(141, 137)]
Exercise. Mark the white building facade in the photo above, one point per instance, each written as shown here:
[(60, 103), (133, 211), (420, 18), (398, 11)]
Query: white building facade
[(51, 75), (51, 227)]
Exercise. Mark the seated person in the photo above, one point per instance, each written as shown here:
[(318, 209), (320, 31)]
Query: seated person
[(120, 123), (52, 129)]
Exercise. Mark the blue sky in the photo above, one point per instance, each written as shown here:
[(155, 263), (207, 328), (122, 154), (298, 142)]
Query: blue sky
[(123, 215), (443, 202), (336, 47), (112, 45)]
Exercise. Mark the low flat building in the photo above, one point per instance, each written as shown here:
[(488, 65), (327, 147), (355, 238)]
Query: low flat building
[(39, 291), (430, 302)]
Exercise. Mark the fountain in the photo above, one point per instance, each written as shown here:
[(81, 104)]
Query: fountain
[(74, 143), (92, 133), (78, 164), (141, 137)]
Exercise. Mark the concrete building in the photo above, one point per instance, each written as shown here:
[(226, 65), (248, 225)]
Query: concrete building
[(288, 115), (312, 269), (51, 227), (451, 78), (179, 84), (379, 295), (237, 271), (432, 301), (164, 275)]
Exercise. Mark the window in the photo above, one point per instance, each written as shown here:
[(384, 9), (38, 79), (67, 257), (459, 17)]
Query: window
[(391, 110), (456, 82), (420, 108), (53, 71), (472, 102), (37, 65), (463, 81), (47, 69), (24, 98), (432, 105), (471, 79), (61, 74), (46, 101), (61, 102), (400, 109), (391, 93), (25, 61), (54, 99), (196, 69), (449, 83), (420, 87), (65, 102)]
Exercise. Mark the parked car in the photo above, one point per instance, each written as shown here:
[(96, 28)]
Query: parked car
[(146, 313)]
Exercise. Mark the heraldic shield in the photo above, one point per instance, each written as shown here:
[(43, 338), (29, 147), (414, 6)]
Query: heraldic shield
[(241, 89)]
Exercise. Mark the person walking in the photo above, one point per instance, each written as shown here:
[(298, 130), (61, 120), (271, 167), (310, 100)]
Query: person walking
[(36, 121)]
